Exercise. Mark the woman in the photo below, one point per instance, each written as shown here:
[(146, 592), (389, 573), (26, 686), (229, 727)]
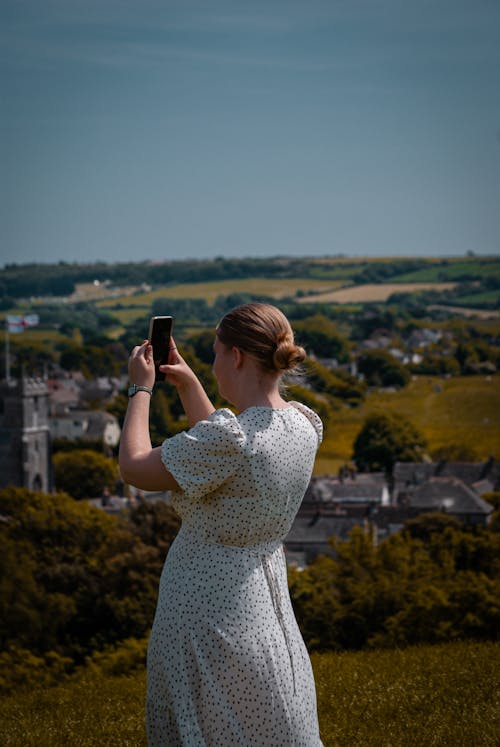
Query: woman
[(226, 661)]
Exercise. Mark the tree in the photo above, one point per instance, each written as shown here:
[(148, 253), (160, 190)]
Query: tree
[(74, 579), (386, 439), (319, 335), (203, 345), (434, 364), (425, 526), (435, 581), (336, 383), (84, 473), (380, 368)]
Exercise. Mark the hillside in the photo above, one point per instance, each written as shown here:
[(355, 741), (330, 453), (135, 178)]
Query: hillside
[(107, 307), (461, 409), (61, 280)]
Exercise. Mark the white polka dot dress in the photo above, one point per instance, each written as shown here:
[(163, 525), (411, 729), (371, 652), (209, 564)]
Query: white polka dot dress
[(227, 664)]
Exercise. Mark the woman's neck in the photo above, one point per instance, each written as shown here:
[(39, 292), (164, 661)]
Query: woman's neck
[(258, 392)]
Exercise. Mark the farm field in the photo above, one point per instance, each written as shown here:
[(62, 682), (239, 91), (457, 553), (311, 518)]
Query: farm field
[(379, 292), (461, 410), (427, 695), (210, 290), (453, 270)]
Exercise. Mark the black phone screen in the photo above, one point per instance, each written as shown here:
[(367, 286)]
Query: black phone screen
[(160, 330)]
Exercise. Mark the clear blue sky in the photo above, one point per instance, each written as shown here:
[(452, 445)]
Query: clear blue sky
[(148, 129)]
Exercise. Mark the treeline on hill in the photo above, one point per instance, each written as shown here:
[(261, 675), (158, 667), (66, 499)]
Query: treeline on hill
[(22, 281), (25, 281), (75, 581)]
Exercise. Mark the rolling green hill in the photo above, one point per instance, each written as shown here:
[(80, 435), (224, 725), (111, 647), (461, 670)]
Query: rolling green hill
[(460, 410)]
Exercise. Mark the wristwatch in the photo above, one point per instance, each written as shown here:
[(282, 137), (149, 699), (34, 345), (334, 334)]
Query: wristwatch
[(132, 390)]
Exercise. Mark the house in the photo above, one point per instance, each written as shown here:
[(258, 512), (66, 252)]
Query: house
[(483, 476), (380, 339), (312, 531), (453, 487), (310, 536), (423, 337), (352, 488), (92, 425), (452, 496), (332, 507), (102, 388)]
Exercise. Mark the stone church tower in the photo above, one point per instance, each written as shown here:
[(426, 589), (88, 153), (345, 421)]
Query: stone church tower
[(25, 452)]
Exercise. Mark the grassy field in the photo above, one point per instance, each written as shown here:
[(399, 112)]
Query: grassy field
[(425, 696), (433, 696), (488, 297), (461, 410), (454, 270)]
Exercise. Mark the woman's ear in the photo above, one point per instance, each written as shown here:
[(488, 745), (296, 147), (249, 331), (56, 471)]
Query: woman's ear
[(238, 357)]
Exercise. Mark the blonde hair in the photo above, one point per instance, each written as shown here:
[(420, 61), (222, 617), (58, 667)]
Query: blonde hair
[(264, 332)]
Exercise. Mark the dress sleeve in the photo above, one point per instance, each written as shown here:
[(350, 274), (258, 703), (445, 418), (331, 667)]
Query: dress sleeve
[(205, 456), (313, 418)]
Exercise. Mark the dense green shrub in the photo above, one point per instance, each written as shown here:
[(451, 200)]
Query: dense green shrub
[(433, 582), (21, 669), (74, 579), (83, 473)]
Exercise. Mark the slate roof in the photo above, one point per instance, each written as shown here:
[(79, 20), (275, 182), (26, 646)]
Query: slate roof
[(414, 473), (449, 494), (363, 488), (305, 531)]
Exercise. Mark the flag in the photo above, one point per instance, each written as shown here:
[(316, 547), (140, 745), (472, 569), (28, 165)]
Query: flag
[(17, 324)]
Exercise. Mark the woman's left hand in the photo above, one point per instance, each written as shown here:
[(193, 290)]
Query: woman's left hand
[(141, 367)]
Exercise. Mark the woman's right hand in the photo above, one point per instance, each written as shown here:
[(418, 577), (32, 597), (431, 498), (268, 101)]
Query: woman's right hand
[(196, 404)]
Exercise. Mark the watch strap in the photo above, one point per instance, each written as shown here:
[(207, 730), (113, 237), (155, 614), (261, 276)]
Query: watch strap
[(134, 388)]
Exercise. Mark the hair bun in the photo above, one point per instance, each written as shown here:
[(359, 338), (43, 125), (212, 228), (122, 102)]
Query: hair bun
[(288, 355), (264, 332)]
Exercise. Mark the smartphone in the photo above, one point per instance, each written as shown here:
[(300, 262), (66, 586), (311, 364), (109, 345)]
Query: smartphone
[(160, 331)]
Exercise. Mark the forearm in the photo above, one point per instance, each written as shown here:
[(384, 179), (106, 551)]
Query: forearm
[(140, 464), (195, 401), (135, 439)]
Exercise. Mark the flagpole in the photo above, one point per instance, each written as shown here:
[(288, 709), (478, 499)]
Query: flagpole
[(15, 323), (7, 352)]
